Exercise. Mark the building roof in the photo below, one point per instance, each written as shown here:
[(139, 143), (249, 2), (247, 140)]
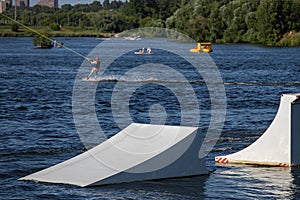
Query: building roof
[(49, 3)]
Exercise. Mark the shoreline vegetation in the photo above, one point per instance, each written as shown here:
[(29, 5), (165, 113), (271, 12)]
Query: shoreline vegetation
[(290, 39), (5, 31), (261, 22)]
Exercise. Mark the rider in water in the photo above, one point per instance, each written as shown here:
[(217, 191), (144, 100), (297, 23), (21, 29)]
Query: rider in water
[(95, 68)]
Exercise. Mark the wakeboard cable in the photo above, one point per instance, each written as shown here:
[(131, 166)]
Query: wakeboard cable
[(44, 36)]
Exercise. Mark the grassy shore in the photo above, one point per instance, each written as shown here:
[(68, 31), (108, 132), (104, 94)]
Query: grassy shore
[(5, 31), (289, 39)]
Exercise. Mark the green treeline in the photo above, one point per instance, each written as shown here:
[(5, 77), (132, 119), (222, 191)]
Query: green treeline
[(234, 21), (267, 22)]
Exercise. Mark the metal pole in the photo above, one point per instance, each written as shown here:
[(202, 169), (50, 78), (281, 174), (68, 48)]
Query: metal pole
[(15, 10)]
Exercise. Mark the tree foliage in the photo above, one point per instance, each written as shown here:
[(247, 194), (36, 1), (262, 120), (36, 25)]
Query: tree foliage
[(55, 26), (256, 21), (15, 27), (42, 40), (233, 21)]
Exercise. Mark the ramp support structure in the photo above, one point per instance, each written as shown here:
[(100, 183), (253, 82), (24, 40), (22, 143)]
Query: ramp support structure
[(279, 145)]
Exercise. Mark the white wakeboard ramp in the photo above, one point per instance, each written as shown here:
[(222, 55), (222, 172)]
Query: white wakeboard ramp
[(279, 145), (138, 152)]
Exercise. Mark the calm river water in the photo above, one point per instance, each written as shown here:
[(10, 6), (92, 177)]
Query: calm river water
[(37, 127)]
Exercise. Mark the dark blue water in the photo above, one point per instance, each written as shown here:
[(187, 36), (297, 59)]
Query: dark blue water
[(37, 128)]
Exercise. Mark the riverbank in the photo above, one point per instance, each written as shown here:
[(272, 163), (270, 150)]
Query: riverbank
[(5, 31), (289, 39)]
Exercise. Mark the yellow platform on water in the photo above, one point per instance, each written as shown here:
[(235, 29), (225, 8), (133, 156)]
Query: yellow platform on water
[(202, 47)]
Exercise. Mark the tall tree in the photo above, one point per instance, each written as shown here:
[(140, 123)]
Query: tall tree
[(216, 23), (106, 4), (268, 21), (95, 6)]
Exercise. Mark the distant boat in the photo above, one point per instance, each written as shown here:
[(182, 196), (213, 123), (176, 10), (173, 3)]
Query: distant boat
[(133, 37), (42, 42), (44, 46), (142, 51), (137, 52), (202, 47)]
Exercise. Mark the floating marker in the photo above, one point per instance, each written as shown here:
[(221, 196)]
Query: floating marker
[(138, 152), (279, 145)]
